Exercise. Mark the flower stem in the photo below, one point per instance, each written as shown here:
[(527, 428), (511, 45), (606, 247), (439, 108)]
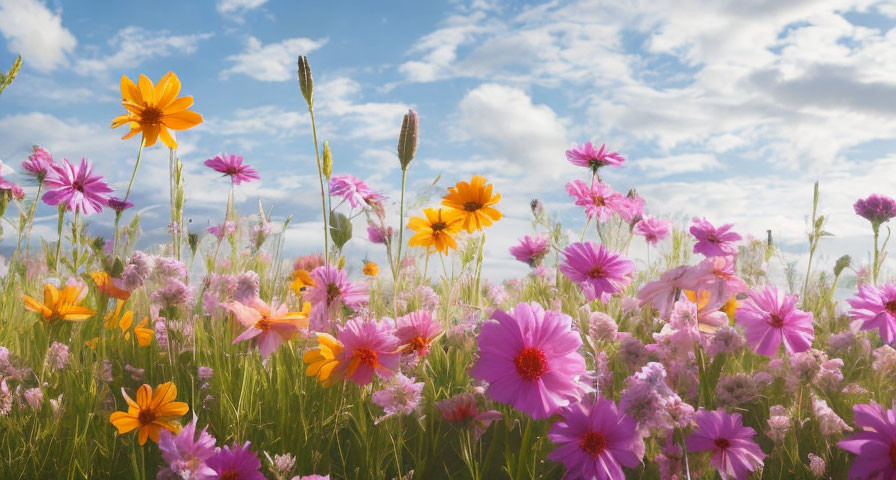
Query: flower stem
[(875, 267), (127, 193), (323, 193), (26, 237), (59, 236), (396, 273)]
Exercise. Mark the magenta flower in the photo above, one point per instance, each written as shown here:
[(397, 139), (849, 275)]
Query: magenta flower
[(118, 205), (716, 275), (11, 189), (734, 452), (39, 164), (400, 396), (368, 347), (631, 207), (599, 200), (876, 208), (268, 326), (530, 250), (415, 332), (231, 165), (378, 234), (598, 271), (530, 360), (76, 187), (661, 293), (712, 241), (219, 231), (236, 463), (331, 290), (654, 230), (769, 316), (586, 155), (875, 445), (463, 408), (595, 440), (187, 455), (352, 189), (875, 307)]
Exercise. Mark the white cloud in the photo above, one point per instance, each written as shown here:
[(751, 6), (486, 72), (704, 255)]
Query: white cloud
[(135, 45), (36, 33), (676, 164), (237, 6), (339, 108), (274, 62)]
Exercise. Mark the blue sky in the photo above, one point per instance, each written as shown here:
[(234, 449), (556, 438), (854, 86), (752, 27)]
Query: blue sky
[(729, 111)]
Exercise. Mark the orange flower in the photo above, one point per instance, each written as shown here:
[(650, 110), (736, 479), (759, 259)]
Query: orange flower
[(474, 202), (323, 359), (115, 318), (151, 412), (436, 231), (371, 269), (105, 285), (152, 110), (144, 335), (300, 280), (59, 304)]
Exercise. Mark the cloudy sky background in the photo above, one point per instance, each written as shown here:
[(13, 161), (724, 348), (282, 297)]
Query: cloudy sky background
[(728, 110)]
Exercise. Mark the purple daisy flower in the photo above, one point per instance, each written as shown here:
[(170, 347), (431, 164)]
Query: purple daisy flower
[(530, 358), (352, 189), (595, 440), (12, 189), (530, 250), (39, 163), (876, 208), (236, 463), (598, 271), (76, 187), (331, 290), (231, 165), (598, 199), (734, 452), (187, 455), (654, 230), (586, 155), (769, 316), (368, 347), (712, 241), (875, 445), (118, 205), (875, 307)]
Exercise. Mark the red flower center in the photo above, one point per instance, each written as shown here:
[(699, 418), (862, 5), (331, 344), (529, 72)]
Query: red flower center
[(593, 443), (531, 364), (264, 323), (416, 344), (775, 320), (722, 443), (599, 201), (472, 206), (230, 475), (367, 356), (597, 272), (891, 307), (150, 116), (145, 417)]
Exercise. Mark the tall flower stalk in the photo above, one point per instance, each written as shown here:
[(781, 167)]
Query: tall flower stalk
[(127, 194), (407, 148), (814, 237), (306, 84), (877, 209)]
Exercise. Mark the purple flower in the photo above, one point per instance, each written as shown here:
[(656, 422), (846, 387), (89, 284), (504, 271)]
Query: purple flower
[(76, 187), (368, 347), (231, 165), (330, 291), (598, 199), (39, 163), (597, 270), (530, 250), (463, 408), (586, 155), (661, 293), (654, 230), (712, 241), (57, 355), (875, 445), (186, 454), (734, 452), (399, 397), (219, 231), (12, 189), (530, 359), (118, 205), (415, 332), (352, 189), (769, 316), (378, 234), (876, 208), (595, 440), (236, 463), (875, 307)]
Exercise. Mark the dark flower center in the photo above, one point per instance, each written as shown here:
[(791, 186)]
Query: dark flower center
[(722, 443), (416, 344), (893, 454), (231, 170), (599, 201), (151, 116), (145, 417), (367, 356), (776, 321), (78, 185), (264, 323), (712, 238), (597, 272), (472, 206), (439, 226), (229, 475), (891, 307), (531, 364), (332, 292), (593, 443)]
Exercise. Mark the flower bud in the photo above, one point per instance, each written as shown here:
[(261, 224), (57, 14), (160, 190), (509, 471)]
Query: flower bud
[(328, 160), (841, 264), (407, 139), (305, 81)]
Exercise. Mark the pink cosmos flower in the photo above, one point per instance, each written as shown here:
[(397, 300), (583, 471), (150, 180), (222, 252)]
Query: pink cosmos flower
[(654, 230), (237, 463), (598, 271), (352, 189), (875, 307), (712, 241), (530, 360), (331, 290), (39, 163), (876, 208), (368, 347), (268, 326), (595, 440), (415, 332), (464, 408), (875, 445), (400, 396), (599, 200), (118, 204), (769, 316), (661, 293), (716, 275), (734, 452), (530, 250), (12, 189), (231, 165), (378, 234), (586, 155), (631, 207), (186, 455), (76, 187)]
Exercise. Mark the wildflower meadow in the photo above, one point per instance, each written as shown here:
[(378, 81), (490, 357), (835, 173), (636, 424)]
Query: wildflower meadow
[(214, 356)]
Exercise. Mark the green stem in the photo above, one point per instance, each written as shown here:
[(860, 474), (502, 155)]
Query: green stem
[(875, 267), (30, 222), (127, 193), (396, 273), (323, 193), (59, 236), (479, 269)]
